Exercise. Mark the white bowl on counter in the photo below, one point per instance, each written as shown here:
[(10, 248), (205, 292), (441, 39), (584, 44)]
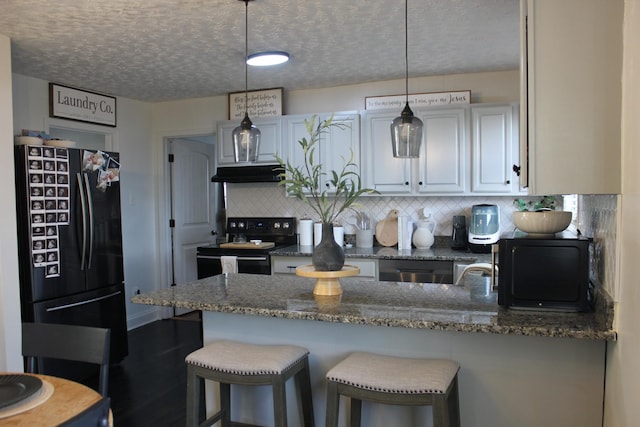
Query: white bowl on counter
[(542, 222)]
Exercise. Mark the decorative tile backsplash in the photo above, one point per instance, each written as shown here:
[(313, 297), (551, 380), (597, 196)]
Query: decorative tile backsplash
[(597, 216), (269, 200)]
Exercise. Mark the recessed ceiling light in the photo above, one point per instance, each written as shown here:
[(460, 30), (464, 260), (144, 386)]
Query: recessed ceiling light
[(263, 59)]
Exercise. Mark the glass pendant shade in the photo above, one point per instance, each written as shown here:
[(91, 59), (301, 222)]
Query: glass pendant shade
[(246, 141), (406, 134)]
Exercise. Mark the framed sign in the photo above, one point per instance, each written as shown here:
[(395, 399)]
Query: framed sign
[(417, 100), (76, 104), (261, 103)]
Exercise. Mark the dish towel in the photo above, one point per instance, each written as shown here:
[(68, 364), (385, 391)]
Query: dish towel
[(229, 264)]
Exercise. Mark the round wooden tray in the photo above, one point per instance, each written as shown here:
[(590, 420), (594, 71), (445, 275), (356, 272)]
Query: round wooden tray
[(327, 282)]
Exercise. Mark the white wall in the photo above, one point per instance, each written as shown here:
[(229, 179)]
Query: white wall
[(138, 178), (500, 86), (10, 335), (623, 361)]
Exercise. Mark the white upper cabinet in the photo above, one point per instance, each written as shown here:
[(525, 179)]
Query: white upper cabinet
[(570, 96), (270, 140), (494, 149), (382, 171), (460, 155), (336, 146), (442, 164), (440, 169)]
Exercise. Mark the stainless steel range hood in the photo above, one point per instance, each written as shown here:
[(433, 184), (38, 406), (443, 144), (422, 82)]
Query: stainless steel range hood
[(261, 173)]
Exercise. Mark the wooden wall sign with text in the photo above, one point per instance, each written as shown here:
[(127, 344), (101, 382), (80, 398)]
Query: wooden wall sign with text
[(417, 100), (76, 104), (262, 103)]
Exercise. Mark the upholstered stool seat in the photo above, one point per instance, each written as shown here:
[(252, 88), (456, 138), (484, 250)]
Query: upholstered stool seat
[(395, 381), (231, 362)]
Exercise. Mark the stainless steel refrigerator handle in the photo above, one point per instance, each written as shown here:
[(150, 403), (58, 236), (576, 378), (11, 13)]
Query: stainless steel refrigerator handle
[(90, 205), (240, 258), (83, 204), (89, 301)]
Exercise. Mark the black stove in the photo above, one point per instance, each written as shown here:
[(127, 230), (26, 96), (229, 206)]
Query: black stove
[(250, 239)]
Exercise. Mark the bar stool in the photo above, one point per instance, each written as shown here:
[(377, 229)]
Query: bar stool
[(230, 362), (394, 381)]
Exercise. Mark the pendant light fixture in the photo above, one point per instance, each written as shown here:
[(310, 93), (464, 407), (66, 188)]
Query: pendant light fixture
[(406, 129), (246, 137)]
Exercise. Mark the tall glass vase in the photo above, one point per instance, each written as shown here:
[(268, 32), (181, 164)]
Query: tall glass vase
[(328, 255)]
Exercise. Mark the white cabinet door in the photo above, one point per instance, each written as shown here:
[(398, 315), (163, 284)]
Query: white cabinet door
[(335, 147), (491, 149), (442, 163), (270, 140), (382, 171), (570, 96), (342, 145)]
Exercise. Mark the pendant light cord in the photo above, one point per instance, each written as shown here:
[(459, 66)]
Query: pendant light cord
[(406, 51), (246, 52)]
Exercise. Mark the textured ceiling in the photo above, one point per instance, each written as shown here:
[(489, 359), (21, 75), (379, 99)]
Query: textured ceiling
[(155, 50)]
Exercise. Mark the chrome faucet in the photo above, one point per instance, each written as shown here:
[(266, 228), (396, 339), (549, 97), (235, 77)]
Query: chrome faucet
[(484, 267)]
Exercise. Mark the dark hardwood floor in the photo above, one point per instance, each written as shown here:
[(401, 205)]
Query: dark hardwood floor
[(148, 388)]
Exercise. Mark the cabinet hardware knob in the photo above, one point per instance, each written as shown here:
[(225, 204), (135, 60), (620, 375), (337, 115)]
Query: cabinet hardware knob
[(420, 183), (406, 183), (508, 181), (516, 169)]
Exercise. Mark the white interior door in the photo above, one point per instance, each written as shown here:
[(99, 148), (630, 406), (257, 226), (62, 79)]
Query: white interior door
[(194, 203)]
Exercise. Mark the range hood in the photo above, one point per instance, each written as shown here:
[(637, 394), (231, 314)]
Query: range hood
[(261, 173)]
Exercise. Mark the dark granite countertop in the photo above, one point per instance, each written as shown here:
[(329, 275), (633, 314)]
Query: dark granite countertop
[(384, 252), (470, 307)]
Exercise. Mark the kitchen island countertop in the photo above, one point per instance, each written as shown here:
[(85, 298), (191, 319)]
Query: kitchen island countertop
[(470, 307)]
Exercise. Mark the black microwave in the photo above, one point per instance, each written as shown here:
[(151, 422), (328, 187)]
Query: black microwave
[(545, 273)]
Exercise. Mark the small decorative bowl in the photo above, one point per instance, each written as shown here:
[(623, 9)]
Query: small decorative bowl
[(542, 222)]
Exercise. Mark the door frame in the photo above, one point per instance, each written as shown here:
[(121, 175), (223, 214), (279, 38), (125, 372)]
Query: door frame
[(164, 207)]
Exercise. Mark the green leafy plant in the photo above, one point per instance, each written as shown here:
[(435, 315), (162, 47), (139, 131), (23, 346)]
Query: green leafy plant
[(545, 203), (303, 181)]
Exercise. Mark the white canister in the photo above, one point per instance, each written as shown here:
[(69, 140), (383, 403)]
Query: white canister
[(364, 238), (306, 232), (405, 231), (317, 233), (338, 234)]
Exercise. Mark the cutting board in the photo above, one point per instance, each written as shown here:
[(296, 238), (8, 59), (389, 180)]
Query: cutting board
[(387, 229), (247, 245)]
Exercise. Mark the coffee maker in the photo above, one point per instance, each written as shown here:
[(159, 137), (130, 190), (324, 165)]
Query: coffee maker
[(459, 232), (484, 229)]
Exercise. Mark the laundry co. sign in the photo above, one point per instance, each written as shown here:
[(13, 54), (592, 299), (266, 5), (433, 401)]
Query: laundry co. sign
[(76, 104)]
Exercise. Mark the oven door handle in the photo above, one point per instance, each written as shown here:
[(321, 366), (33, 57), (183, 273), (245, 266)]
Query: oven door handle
[(240, 258)]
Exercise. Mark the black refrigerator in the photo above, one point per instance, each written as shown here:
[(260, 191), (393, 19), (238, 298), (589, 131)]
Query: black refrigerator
[(70, 242)]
